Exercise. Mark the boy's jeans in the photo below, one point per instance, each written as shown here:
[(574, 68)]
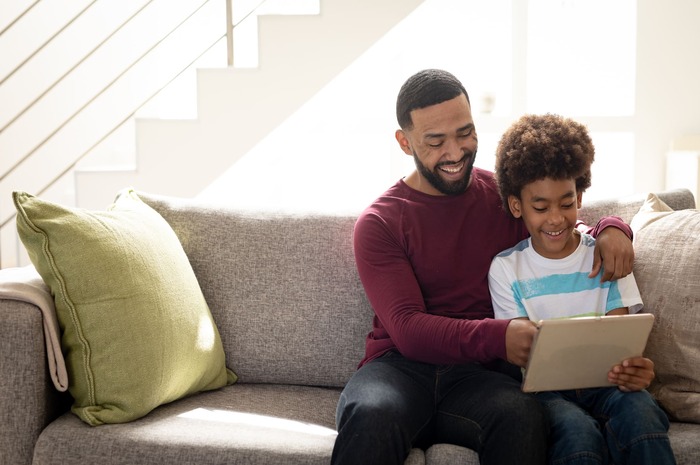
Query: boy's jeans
[(606, 425)]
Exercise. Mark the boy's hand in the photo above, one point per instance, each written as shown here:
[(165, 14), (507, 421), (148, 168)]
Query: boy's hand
[(519, 335), (633, 374), (614, 252)]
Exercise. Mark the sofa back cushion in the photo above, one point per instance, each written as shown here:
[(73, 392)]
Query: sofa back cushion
[(667, 267), (282, 288)]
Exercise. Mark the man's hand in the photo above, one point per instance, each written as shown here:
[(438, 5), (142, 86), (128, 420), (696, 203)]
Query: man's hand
[(633, 374), (614, 252), (519, 335)]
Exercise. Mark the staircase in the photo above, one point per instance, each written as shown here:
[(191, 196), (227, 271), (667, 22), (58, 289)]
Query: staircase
[(78, 83)]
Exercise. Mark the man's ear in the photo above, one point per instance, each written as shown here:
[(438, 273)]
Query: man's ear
[(403, 141), (515, 206)]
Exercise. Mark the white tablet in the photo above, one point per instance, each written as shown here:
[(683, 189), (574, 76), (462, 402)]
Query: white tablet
[(578, 353)]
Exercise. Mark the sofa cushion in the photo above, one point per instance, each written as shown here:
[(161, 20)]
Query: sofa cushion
[(448, 454), (667, 268), (136, 330), (283, 288), (240, 424), (244, 424)]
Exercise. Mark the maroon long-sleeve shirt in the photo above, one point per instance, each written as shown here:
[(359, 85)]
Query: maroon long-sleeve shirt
[(424, 262)]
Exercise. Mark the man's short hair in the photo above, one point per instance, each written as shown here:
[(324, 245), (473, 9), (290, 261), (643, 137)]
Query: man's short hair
[(423, 89)]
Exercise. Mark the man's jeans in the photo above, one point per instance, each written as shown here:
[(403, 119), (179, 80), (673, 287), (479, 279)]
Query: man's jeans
[(606, 425), (392, 404)]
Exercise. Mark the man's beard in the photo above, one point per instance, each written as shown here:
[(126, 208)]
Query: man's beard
[(448, 187)]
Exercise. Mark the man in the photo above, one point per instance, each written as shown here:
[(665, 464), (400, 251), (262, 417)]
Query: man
[(432, 369)]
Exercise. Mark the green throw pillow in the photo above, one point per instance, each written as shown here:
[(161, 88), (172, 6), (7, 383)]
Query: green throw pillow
[(136, 331)]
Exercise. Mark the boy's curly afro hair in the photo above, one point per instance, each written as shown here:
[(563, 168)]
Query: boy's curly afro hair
[(543, 146)]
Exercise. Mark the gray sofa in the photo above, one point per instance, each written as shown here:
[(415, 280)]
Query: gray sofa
[(293, 316)]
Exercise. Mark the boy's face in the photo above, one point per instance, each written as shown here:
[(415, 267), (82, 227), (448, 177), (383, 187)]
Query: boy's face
[(549, 209)]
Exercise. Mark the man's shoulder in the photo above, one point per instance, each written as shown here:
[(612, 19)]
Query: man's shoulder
[(388, 200), (484, 178), (385, 209)]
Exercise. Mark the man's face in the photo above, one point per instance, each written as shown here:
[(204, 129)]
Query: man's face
[(443, 144)]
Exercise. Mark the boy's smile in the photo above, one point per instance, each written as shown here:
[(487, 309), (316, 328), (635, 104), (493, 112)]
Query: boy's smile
[(549, 209)]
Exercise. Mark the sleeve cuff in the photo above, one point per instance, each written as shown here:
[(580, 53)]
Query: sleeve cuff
[(614, 221)]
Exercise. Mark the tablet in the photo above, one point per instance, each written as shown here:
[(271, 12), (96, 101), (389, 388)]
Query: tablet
[(578, 353)]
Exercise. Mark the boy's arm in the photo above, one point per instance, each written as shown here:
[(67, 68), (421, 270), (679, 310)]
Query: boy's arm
[(613, 248)]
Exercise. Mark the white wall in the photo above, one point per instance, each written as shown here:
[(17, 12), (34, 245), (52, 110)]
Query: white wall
[(346, 156), (668, 84), (667, 99), (316, 161)]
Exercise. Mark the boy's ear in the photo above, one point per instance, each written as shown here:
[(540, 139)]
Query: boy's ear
[(403, 141), (579, 196), (515, 206)]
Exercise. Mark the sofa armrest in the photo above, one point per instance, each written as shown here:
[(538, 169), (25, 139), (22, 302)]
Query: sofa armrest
[(28, 399)]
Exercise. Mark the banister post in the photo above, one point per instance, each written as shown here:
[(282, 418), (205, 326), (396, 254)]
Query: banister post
[(229, 32)]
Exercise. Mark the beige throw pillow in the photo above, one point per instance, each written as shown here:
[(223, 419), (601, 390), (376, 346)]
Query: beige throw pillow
[(667, 269)]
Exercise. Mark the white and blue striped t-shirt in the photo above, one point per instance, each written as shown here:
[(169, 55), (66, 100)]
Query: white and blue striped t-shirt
[(526, 284)]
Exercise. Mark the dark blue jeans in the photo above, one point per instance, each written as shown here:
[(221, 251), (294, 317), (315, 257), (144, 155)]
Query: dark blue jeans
[(606, 425), (393, 404)]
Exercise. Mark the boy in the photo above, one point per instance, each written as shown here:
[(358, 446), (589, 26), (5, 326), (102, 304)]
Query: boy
[(542, 169)]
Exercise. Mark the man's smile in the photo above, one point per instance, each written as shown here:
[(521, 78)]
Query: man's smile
[(452, 168)]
